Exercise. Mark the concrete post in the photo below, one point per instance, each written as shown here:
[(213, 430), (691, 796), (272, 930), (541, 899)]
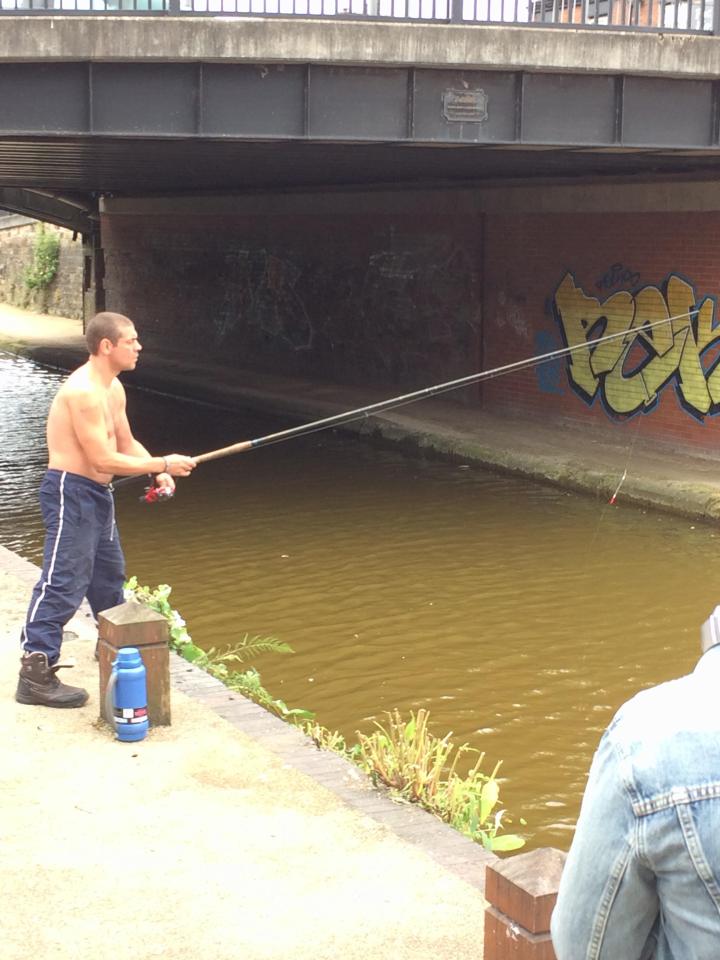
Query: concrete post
[(456, 11), (132, 624), (521, 893)]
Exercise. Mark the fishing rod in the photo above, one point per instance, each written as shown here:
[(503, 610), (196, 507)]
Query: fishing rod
[(393, 403)]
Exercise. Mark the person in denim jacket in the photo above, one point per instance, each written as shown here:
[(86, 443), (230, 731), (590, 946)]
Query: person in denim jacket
[(642, 879)]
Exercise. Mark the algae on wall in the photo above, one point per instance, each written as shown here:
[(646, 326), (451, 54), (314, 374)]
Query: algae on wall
[(63, 295)]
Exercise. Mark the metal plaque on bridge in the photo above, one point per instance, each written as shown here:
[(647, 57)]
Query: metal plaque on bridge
[(465, 106)]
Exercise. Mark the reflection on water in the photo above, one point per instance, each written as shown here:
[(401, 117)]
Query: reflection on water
[(520, 615)]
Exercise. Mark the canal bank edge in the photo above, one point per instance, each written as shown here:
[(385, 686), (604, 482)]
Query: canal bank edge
[(657, 475)]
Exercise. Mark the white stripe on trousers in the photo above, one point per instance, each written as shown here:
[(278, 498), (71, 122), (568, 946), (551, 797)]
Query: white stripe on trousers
[(48, 581)]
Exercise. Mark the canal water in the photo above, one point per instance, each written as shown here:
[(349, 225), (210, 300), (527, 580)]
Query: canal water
[(520, 615)]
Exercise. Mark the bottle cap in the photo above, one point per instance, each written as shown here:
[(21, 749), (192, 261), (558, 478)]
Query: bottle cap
[(128, 657)]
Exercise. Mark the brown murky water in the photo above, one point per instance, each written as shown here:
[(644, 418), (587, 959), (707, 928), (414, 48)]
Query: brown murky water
[(520, 615)]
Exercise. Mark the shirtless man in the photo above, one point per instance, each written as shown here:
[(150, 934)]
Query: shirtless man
[(89, 441)]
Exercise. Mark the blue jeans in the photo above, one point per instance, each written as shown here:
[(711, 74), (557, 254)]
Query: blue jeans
[(642, 879), (82, 558)]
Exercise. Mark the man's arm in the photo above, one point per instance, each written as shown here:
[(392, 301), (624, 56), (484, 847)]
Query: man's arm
[(128, 444), (607, 904), (88, 421)]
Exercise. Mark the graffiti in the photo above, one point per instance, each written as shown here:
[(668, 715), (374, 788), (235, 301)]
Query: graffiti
[(259, 291), (415, 308), (616, 275), (629, 373), (383, 306), (276, 306), (511, 311), (549, 374)]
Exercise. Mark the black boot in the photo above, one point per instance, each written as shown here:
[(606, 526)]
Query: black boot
[(39, 684)]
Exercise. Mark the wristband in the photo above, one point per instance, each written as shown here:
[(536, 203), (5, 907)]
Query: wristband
[(165, 465)]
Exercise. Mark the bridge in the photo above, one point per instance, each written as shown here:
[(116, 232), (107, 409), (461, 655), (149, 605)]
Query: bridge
[(175, 101), (396, 194)]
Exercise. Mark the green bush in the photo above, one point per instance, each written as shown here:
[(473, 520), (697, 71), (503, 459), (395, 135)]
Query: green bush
[(46, 257)]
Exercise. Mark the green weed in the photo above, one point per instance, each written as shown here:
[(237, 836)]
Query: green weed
[(422, 768), (220, 664)]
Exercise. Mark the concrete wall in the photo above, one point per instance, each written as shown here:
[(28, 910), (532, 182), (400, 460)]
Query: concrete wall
[(63, 297), (407, 289), (298, 40)]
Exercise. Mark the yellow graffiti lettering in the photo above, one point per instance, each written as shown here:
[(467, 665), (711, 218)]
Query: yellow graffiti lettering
[(618, 312), (626, 394), (578, 314), (631, 370)]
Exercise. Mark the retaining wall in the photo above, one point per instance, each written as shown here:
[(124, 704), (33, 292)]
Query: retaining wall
[(351, 297), (63, 296)]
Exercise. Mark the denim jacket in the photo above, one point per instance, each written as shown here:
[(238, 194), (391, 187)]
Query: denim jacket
[(642, 879)]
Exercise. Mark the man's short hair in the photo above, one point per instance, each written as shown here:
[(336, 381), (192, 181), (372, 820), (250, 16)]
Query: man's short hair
[(105, 326)]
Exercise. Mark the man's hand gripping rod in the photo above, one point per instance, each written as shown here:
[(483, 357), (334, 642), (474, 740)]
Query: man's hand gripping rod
[(159, 494)]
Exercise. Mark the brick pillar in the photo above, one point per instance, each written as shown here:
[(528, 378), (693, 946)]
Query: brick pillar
[(521, 893), (132, 624)]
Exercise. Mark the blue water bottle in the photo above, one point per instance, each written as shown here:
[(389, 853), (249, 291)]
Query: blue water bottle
[(126, 695)]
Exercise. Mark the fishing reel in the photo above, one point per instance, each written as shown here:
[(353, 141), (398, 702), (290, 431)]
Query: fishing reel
[(156, 494)]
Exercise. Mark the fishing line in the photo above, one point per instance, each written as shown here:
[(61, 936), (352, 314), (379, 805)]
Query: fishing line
[(631, 449), (394, 403), (613, 498)]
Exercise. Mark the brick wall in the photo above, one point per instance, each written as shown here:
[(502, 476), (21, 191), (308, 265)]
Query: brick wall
[(362, 298), (63, 297), (606, 260), (402, 289)]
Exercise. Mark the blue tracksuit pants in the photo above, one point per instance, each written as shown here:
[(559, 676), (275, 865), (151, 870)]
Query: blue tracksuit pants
[(83, 558)]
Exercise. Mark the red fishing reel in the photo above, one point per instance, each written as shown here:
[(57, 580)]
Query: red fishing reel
[(157, 494)]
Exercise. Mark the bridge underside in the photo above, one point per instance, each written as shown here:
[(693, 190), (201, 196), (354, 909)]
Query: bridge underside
[(70, 132)]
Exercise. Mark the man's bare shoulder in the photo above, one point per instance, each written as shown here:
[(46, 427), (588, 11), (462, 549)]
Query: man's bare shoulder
[(78, 380), (80, 389)]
